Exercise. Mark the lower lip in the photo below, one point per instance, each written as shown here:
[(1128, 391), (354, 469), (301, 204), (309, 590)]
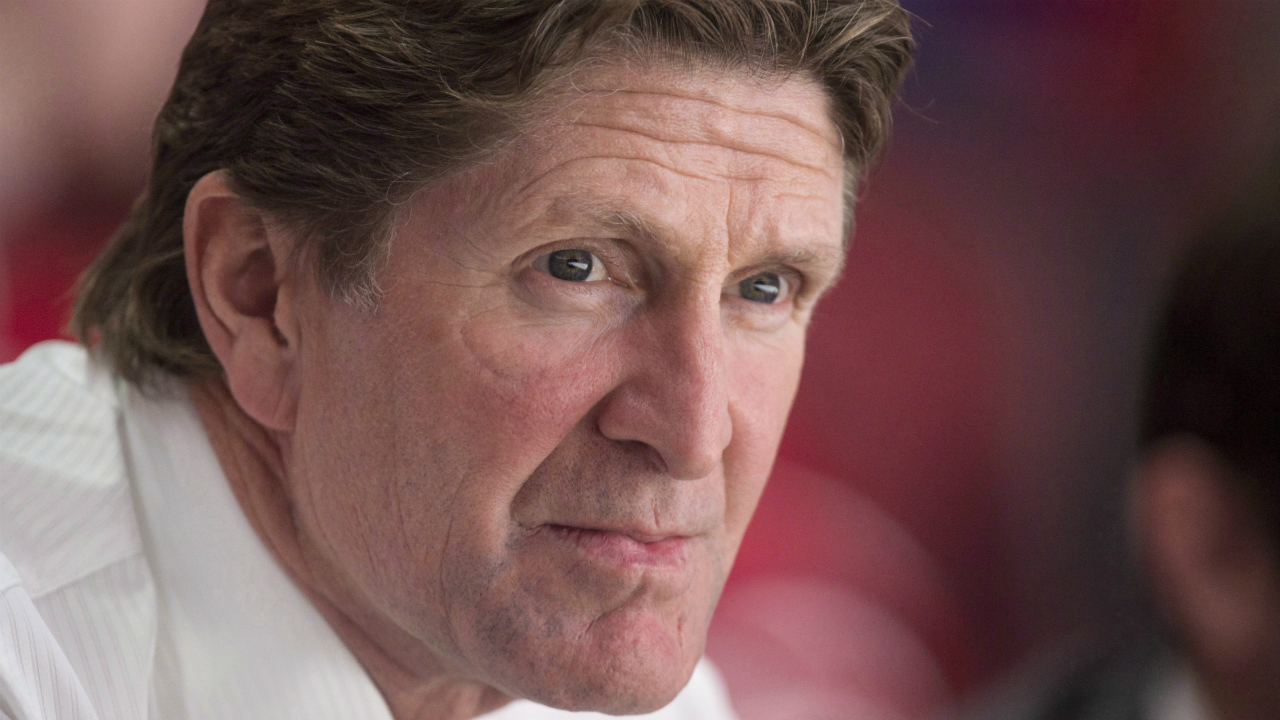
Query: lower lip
[(619, 549)]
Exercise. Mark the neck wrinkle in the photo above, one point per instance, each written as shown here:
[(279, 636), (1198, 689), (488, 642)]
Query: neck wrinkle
[(253, 461)]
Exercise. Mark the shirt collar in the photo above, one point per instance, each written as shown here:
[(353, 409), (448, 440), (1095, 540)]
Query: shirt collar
[(236, 637)]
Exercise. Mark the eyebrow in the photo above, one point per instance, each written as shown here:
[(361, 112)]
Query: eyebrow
[(608, 213), (802, 257)]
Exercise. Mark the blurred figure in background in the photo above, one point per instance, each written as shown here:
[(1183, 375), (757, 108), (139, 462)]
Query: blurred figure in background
[(1205, 502), (1207, 499)]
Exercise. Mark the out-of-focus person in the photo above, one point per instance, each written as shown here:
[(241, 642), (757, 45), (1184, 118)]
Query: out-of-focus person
[(1204, 502)]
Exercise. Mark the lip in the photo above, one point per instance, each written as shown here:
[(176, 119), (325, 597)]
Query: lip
[(623, 548)]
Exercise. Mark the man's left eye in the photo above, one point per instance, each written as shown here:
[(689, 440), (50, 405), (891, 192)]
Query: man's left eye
[(765, 287), (572, 265)]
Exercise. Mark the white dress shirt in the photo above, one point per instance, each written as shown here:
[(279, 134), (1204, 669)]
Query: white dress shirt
[(132, 586)]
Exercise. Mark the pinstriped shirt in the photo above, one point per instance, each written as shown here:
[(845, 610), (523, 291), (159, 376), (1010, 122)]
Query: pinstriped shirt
[(132, 586)]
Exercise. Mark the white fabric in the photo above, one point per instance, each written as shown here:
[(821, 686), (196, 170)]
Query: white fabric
[(132, 586), (1176, 695)]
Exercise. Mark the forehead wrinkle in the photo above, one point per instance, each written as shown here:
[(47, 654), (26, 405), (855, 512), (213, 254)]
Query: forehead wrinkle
[(831, 138), (720, 142), (523, 189), (725, 125), (582, 100)]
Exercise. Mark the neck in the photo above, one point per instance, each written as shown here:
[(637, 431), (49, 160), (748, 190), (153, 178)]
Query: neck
[(412, 680)]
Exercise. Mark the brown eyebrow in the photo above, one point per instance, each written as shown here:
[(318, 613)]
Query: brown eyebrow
[(630, 223), (607, 213), (802, 257)]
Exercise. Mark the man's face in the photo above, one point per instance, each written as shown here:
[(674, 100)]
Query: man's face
[(538, 456)]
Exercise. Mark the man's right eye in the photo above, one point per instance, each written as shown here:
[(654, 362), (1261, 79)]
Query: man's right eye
[(572, 265)]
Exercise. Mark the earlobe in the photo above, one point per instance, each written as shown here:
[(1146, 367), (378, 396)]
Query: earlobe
[(237, 269)]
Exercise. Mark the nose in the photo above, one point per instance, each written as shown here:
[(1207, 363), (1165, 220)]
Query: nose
[(674, 396)]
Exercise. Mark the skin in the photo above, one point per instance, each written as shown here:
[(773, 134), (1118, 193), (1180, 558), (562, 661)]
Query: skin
[(1213, 573), (504, 484)]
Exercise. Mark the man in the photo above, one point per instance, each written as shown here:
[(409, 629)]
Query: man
[(441, 363), (1205, 502)]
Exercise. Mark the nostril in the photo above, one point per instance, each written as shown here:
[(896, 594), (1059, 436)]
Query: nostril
[(655, 457), (650, 455)]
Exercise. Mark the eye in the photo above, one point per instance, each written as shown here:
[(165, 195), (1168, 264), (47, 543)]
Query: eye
[(765, 287), (572, 265)]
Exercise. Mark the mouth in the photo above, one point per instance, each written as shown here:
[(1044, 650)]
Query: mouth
[(625, 549)]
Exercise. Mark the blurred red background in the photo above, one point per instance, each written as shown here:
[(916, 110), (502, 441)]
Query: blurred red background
[(948, 499)]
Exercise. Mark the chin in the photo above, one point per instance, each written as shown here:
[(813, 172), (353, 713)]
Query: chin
[(627, 662)]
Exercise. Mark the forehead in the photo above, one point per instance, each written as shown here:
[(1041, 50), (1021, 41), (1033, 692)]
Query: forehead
[(653, 147), (784, 117)]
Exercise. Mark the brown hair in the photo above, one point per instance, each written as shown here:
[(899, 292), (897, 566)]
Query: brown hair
[(327, 114)]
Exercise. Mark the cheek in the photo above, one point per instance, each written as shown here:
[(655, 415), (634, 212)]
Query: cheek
[(354, 517), (763, 378), (480, 404), (434, 421), (519, 387)]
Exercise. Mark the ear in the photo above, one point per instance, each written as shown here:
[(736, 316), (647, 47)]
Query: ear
[(237, 267), (1211, 567)]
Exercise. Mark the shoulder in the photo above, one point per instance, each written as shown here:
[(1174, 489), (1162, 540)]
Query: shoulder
[(65, 506), (36, 680), (83, 651)]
